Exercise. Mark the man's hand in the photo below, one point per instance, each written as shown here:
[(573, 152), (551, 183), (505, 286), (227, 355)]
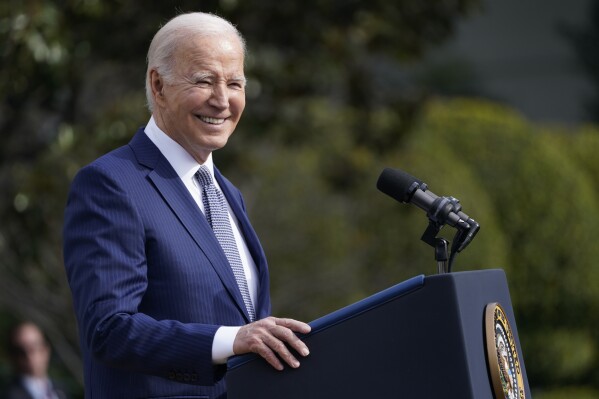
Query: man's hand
[(269, 337)]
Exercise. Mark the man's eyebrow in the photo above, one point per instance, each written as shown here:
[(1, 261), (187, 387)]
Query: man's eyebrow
[(210, 76), (241, 79), (201, 76)]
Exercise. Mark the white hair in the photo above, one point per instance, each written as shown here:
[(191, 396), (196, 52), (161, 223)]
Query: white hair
[(173, 34)]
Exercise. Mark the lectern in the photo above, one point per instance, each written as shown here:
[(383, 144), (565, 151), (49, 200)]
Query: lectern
[(450, 335)]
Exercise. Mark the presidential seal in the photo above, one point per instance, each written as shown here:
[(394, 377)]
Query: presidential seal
[(502, 355)]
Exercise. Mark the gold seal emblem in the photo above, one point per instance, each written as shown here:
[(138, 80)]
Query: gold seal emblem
[(502, 355)]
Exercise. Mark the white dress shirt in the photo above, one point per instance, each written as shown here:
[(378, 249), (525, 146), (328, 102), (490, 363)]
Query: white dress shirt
[(186, 167), (38, 388)]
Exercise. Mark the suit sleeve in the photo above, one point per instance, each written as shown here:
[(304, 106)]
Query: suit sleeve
[(105, 260)]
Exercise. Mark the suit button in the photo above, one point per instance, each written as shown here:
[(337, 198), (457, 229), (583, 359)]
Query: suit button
[(186, 377), (171, 375), (179, 377)]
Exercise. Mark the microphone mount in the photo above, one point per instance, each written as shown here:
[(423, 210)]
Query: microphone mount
[(438, 216), (439, 210)]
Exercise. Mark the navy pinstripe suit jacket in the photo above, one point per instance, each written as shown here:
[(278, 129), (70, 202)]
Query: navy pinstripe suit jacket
[(150, 283)]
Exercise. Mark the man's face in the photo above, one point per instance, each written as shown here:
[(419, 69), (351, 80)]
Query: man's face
[(32, 351), (200, 106)]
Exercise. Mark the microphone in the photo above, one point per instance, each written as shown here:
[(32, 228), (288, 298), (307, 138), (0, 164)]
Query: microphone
[(406, 188)]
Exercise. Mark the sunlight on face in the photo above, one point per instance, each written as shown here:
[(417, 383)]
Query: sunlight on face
[(203, 103)]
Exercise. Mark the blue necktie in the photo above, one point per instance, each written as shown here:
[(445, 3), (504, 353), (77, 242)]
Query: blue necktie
[(215, 209)]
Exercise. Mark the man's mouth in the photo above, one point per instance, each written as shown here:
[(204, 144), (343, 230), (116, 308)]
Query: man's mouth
[(212, 121)]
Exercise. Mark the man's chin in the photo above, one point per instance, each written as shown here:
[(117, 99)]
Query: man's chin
[(218, 141)]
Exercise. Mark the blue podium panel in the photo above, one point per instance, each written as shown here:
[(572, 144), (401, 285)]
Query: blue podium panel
[(423, 338)]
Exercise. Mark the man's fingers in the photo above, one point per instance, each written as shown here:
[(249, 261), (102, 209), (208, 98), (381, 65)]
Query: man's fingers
[(286, 335), (291, 338), (278, 346), (269, 337), (266, 352), (293, 325)]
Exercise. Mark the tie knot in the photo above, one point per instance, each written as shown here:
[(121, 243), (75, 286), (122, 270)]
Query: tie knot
[(204, 176)]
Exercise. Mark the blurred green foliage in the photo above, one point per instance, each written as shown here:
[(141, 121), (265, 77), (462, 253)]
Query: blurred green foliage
[(328, 108)]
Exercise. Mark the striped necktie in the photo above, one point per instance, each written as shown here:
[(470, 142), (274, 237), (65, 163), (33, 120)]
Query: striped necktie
[(215, 209)]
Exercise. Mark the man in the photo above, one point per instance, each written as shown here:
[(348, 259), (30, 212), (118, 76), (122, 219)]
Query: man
[(161, 298), (30, 355)]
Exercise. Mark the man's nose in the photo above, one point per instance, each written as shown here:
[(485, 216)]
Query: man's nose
[(220, 96)]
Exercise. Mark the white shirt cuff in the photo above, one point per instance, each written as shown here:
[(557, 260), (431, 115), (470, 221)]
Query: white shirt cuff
[(222, 346)]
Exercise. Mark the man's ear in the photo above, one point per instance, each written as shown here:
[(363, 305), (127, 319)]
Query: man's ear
[(157, 85)]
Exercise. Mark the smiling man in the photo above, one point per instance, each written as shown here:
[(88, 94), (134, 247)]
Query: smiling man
[(168, 277)]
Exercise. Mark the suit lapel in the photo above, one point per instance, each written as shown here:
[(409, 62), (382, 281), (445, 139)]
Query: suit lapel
[(251, 239), (174, 192)]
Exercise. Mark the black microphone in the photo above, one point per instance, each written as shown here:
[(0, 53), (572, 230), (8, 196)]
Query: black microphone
[(408, 189), (442, 210)]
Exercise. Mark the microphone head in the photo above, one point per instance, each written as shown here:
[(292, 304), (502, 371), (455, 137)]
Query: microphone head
[(398, 184)]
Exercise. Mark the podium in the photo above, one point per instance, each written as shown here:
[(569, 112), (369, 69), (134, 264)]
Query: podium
[(427, 337)]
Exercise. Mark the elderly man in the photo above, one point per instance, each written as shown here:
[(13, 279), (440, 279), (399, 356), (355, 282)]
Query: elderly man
[(168, 277)]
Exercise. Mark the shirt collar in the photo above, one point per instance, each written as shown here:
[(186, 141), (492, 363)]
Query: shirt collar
[(183, 163), (35, 385)]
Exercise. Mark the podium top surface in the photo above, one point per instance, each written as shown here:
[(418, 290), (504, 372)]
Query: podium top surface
[(366, 304), (348, 312)]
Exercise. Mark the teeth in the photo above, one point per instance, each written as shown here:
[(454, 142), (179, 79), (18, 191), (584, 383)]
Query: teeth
[(212, 121)]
